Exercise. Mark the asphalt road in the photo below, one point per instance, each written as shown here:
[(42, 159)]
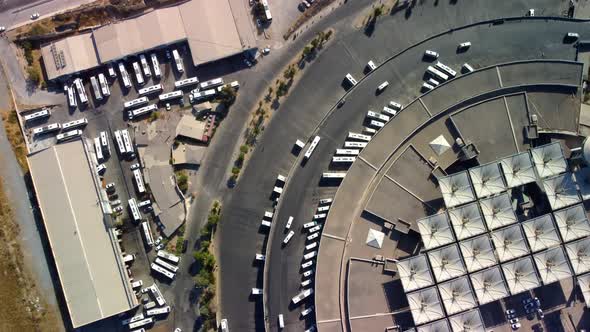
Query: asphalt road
[(17, 12)]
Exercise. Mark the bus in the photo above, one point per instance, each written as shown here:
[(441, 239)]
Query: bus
[(389, 111), (311, 147), (347, 152), (156, 65), (210, 84), (141, 323), (44, 113), (377, 124), (186, 82), (333, 175), (150, 89), (138, 182), (47, 129), (437, 73), (267, 14), (138, 75), (72, 97), (166, 265), (136, 102), (301, 296), (157, 294), (132, 319), (104, 85), (126, 140), (396, 106), (234, 85), (120, 144), (351, 79), (178, 61), (163, 271), (166, 255), (105, 142), (196, 96), (147, 232), (347, 159), (81, 90), (141, 111), (170, 95), (134, 209), (348, 144), (98, 148), (144, 64), (158, 311), (359, 137), (124, 75), (377, 116), (325, 201), (445, 68), (95, 88), (69, 135)]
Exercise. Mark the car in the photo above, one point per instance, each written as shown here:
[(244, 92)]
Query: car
[(431, 54), (256, 291), (266, 50), (527, 300), (306, 312), (178, 329), (100, 169), (251, 2), (306, 4), (513, 321), (464, 46), (570, 35), (116, 202), (159, 240), (537, 302), (168, 106), (110, 186), (515, 326), (118, 209), (168, 55), (160, 247), (34, 16), (531, 12), (540, 313), (223, 326), (2, 29), (341, 102), (184, 246), (134, 166)]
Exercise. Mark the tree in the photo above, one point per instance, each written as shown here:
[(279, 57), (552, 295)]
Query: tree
[(227, 96), (259, 9), (290, 72), (182, 180), (306, 51), (378, 11), (328, 35), (314, 43), (244, 148), (34, 75)]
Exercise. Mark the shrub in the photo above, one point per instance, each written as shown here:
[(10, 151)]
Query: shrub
[(182, 180), (227, 96), (34, 75), (38, 30), (235, 170), (244, 149)]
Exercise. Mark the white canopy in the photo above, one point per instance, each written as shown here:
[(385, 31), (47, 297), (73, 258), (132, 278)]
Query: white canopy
[(375, 238), (456, 189), (478, 253), (552, 265), (438, 326), (439, 145), (572, 222), (446, 263), (549, 159), (467, 221), (489, 285), (521, 275), (584, 282), (509, 243), (457, 295), (579, 255), (425, 305), (435, 230), (541, 233), (518, 170), (487, 180), (414, 273), (561, 191), (469, 321), (497, 211)]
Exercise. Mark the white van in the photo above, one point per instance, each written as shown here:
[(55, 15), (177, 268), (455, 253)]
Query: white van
[(467, 68), (382, 87), (281, 322), (431, 54)]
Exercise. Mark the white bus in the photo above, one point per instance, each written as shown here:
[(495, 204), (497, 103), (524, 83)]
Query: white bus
[(141, 323), (325, 201), (446, 69), (312, 147), (369, 131), (69, 135), (150, 89), (138, 75), (333, 175), (301, 296), (147, 233), (310, 255), (377, 116), (156, 65), (136, 102), (166, 255), (288, 237), (186, 82), (396, 106), (104, 85), (210, 84), (98, 148), (347, 159), (268, 214), (95, 88), (324, 208), (133, 319), (166, 265), (437, 73), (134, 209), (233, 85), (47, 129), (348, 144), (350, 79), (162, 271), (81, 90), (157, 294), (371, 65), (126, 140), (72, 97), (170, 95), (144, 64), (44, 113), (319, 216), (178, 61), (359, 137), (158, 311), (104, 141), (124, 75), (347, 152), (141, 111), (120, 144), (196, 96), (139, 181), (389, 111), (377, 124), (267, 13)]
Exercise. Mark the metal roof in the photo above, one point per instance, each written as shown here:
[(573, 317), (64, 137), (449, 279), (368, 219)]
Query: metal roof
[(497, 211), (69, 55), (414, 273), (561, 191), (509, 243), (425, 305), (477, 253), (487, 180), (541, 233), (584, 282), (457, 295), (438, 326), (468, 321), (549, 159), (435, 230), (578, 253), (439, 145), (552, 265), (456, 189), (446, 263), (489, 285), (467, 221), (518, 170), (572, 222), (520, 275)]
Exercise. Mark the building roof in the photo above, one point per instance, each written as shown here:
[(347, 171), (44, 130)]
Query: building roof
[(439, 145), (438, 326), (188, 154), (487, 180), (190, 127), (509, 243), (414, 273), (489, 285), (584, 282), (435, 230), (425, 305), (457, 295), (69, 55), (561, 191), (497, 211), (375, 238), (520, 275), (446, 263), (552, 265), (477, 253), (518, 170), (549, 159), (456, 189), (541, 233), (468, 321), (467, 221), (572, 222), (578, 253), (88, 260)]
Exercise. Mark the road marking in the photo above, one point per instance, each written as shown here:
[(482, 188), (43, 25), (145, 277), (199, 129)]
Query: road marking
[(499, 76), (424, 105), (368, 163), (334, 237)]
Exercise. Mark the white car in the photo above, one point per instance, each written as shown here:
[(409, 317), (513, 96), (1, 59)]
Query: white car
[(160, 247), (118, 209), (306, 311), (134, 166), (256, 291), (465, 45), (2, 29), (110, 186), (531, 12), (116, 202), (223, 325), (101, 168), (431, 54), (35, 16), (570, 35), (266, 50), (158, 240)]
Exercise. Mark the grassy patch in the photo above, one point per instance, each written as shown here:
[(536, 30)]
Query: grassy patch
[(182, 180), (10, 119)]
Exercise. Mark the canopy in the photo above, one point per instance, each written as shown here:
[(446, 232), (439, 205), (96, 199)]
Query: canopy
[(425, 305), (446, 263), (549, 159), (487, 180), (509, 243), (584, 282), (518, 170), (439, 145), (520, 275), (435, 230), (438, 326), (497, 211), (456, 189), (414, 273), (457, 295), (469, 321), (467, 221), (572, 222), (541, 233), (561, 191), (489, 285), (552, 265), (579, 255), (478, 253), (375, 238)]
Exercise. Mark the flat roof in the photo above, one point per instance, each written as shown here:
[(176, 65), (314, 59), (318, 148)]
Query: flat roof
[(91, 273), (69, 55)]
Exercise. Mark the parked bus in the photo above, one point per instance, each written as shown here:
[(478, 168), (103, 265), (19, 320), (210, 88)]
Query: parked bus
[(197, 96), (124, 75), (104, 85), (150, 89), (141, 111), (156, 65), (347, 152), (346, 159), (72, 97), (69, 135), (120, 144), (98, 148), (139, 181), (132, 319), (348, 144), (81, 90), (359, 137), (312, 147), (267, 14), (158, 311), (170, 95), (105, 142), (147, 232), (437, 73), (324, 201), (134, 210), (95, 88), (136, 102), (351, 79), (446, 69), (163, 271), (166, 265), (166, 255), (44, 113), (234, 85), (333, 175), (178, 61), (157, 294), (186, 82), (47, 129), (126, 141), (211, 83), (377, 116), (144, 64), (301, 296), (141, 323), (138, 75)]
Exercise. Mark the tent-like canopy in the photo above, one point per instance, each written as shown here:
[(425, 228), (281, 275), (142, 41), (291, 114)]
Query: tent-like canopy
[(552, 265), (439, 145), (438, 326), (561, 191), (469, 321), (487, 180), (509, 243), (478, 253), (521, 275), (489, 285), (572, 223), (518, 170), (425, 305), (457, 295), (446, 263), (578, 253), (467, 221), (497, 211), (414, 273), (541, 233), (375, 238), (584, 282), (435, 230), (549, 159), (456, 189)]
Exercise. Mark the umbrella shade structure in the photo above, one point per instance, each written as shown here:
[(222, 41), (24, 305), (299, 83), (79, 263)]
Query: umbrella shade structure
[(561, 191), (520, 275), (552, 265), (439, 145), (446, 263), (478, 253), (375, 238), (469, 321), (414, 273), (487, 180), (584, 282), (457, 295), (438, 326), (509, 243), (497, 211), (578, 253), (489, 285), (549, 160), (518, 170), (572, 223), (456, 189), (541, 233), (435, 230), (425, 306), (467, 221)]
